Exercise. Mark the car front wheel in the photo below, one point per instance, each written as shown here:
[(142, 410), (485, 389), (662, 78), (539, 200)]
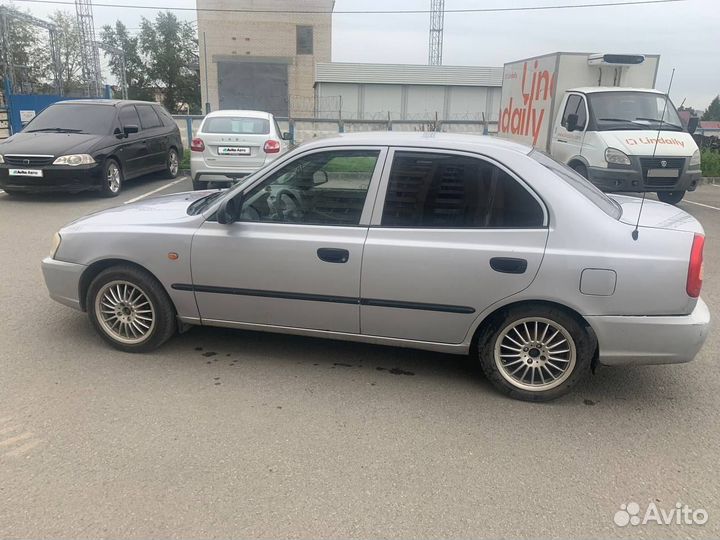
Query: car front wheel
[(130, 309), (535, 353), (112, 181), (671, 197)]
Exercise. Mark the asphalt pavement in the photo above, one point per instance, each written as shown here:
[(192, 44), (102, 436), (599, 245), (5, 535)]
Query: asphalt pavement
[(224, 433)]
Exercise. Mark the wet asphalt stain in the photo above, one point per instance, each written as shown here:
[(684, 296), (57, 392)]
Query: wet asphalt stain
[(340, 364), (198, 348), (395, 371), (209, 354), (589, 402)]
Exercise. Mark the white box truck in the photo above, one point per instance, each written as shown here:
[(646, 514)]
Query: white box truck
[(599, 114)]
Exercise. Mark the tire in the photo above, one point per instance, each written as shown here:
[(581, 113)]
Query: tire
[(113, 179), (199, 185), (172, 164), (580, 169), (139, 314), (670, 197), (515, 375)]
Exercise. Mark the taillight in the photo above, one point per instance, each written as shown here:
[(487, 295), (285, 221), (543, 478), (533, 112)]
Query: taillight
[(695, 268), (272, 146), (197, 145)]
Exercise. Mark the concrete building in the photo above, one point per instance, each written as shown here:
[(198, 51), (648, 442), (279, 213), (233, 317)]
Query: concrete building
[(254, 57), (407, 92)]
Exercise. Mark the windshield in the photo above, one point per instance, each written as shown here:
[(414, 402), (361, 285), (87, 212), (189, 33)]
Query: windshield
[(237, 125), (582, 185), (633, 110), (74, 118)]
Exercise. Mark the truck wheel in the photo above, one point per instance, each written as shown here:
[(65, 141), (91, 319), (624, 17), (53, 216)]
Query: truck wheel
[(671, 197), (580, 169)]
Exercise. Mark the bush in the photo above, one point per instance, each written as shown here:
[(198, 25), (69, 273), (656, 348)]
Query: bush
[(710, 163)]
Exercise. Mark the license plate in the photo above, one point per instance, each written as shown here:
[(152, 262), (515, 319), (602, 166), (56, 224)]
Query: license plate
[(234, 151), (37, 173), (663, 173)]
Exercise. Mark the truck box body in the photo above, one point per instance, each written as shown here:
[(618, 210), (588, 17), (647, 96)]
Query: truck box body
[(533, 90)]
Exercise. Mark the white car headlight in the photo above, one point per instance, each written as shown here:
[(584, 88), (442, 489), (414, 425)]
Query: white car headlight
[(55, 245), (74, 160), (615, 156), (695, 159)]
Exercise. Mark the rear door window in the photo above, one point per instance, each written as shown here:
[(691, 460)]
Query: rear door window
[(236, 125), (432, 190), (148, 117)]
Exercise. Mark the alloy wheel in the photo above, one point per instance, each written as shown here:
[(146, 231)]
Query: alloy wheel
[(125, 312), (535, 354), (113, 178), (173, 163)]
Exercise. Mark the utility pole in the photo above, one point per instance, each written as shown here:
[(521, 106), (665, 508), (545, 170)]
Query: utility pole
[(119, 54), (89, 55), (437, 21)]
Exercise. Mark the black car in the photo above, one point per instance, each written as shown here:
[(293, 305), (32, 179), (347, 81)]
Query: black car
[(90, 144)]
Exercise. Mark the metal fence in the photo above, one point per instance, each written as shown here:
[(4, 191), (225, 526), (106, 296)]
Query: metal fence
[(305, 129)]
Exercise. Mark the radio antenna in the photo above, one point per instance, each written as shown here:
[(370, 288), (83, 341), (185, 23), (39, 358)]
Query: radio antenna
[(636, 232)]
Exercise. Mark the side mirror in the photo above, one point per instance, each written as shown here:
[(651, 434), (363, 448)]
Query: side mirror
[(572, 122), (229, 210), (286, 136), (693, 122), (320, 178), (127, 130)]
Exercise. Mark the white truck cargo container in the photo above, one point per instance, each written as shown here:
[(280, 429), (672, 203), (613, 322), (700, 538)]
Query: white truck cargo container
[(600, 114)]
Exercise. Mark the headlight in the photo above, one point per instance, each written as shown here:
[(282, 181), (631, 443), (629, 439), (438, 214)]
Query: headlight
[(613, 155), (695, 160), (2, 160), (55, 244), (74, 160)]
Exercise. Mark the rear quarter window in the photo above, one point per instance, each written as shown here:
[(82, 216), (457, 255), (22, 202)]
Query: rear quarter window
[(580, 184)]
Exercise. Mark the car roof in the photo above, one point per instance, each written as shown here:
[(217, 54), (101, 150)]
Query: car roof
[(108, 102), (426, 139), (239, 112), (598, 89)]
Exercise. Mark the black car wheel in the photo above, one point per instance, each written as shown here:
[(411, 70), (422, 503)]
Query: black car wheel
[(112, 179), (671, 197), (172, 166)]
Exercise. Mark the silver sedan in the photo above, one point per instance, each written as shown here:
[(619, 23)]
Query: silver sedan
[(459, 244)]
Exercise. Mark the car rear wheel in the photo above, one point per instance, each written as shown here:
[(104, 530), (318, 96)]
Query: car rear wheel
[(580, 169), (535, 353), (671, 197), (130, 309), (112, 179), (173, 163)]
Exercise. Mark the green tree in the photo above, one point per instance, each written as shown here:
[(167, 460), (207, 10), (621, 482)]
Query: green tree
[(68, 44), (171, 50), (22, 43), (135, 69), (713, 111)]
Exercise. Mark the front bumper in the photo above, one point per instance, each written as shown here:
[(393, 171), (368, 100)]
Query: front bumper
[(63, 281), (639, 340), (55, 178), (631, 178)]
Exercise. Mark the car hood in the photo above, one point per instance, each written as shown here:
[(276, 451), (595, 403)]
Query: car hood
[(642, 142), (158, 211), (656, 214), (55, 144)]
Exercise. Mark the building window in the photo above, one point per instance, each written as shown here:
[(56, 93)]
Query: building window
[(304, 39)]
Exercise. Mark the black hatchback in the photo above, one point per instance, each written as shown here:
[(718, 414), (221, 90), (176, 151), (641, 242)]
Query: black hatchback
[(90, 145)]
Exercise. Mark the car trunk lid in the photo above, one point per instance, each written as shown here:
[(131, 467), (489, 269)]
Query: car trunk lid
[(656, 214), (225, 150)]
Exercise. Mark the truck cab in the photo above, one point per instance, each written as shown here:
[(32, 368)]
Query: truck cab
[(626, 139)]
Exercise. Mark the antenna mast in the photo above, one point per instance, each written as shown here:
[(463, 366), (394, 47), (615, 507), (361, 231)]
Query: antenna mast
[(89, 55), (437, 21)]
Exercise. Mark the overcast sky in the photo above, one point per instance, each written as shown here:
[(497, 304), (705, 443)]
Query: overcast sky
[(685, 34)]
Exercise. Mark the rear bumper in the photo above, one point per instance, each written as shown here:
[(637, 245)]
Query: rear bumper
[(54, 179), (63, 281), (631, 179), (651, 340)]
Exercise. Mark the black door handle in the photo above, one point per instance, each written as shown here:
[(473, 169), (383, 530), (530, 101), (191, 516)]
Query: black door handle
[(508, 265), (333, 255)]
